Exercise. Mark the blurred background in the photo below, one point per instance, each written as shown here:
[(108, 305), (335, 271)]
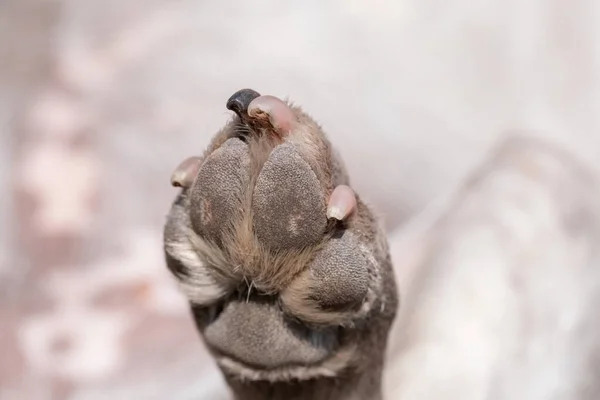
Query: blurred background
[(101, 99)]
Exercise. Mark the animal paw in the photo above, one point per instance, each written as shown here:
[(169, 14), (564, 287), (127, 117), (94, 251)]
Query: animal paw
[(268, 209)]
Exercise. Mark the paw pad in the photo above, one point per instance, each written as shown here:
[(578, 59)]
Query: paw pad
[(219, 190), (333, 286), (288, 202)]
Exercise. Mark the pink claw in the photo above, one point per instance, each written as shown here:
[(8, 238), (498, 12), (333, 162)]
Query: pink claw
[(279, 114), (186, 172), (341, 203)]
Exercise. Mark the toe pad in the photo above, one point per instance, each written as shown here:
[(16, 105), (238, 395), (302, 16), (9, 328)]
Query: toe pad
[(288, 202)]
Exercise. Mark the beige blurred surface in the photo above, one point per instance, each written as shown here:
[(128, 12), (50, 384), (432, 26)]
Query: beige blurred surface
[(101, 99), (501, 283)]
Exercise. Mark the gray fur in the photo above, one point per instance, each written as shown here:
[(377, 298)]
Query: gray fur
[(196, 280)]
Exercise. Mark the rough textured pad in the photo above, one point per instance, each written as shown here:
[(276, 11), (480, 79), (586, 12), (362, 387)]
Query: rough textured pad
[(218, 190), (289, 204), (256, 333), (337, 279), (339, 274)]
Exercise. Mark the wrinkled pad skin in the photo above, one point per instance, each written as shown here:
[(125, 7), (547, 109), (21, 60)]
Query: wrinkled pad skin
[(257, 333)]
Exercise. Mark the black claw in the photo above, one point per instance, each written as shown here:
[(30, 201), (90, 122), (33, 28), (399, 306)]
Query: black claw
[(240, 101)]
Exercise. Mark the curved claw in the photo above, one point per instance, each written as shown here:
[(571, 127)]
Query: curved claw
[(341, 203), (240, 100), (186, 172), (273, 110)]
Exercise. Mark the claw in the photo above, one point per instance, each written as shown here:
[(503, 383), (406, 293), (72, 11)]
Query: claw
[(341, 203), (269, 108), (186, 172), (240, 100)]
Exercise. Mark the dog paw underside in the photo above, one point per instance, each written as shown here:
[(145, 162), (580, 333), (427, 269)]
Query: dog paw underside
[(245, 209)]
